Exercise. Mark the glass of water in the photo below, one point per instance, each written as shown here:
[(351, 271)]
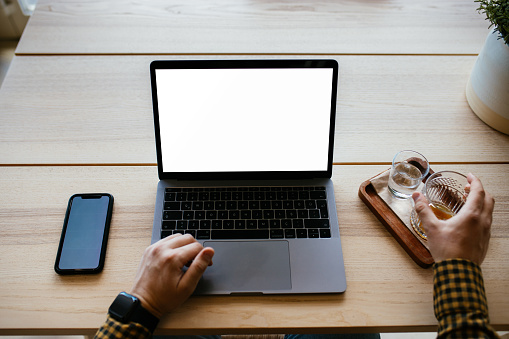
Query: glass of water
[(408, 170)]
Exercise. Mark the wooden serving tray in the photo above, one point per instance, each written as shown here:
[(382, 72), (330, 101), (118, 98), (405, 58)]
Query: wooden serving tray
[(415, 249)]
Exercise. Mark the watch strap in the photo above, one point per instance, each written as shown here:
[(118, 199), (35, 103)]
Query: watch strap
[(127, 308), (144, 317)]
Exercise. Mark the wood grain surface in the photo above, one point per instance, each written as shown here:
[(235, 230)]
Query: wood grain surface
[(76, 116), (254, 27), (98, 109), (386, 290)]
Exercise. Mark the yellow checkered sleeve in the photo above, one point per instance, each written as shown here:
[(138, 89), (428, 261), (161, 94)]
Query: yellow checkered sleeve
[(459, 300), (115, 329)]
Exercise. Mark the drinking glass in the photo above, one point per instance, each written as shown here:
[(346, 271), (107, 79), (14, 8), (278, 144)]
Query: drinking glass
[(408, 170), (446, 195)]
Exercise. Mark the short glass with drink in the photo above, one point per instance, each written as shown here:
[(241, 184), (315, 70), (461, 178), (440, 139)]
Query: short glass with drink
[(446, 195), (408, 170)]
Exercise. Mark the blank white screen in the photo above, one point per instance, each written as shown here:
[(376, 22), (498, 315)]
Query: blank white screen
[(237, 120)]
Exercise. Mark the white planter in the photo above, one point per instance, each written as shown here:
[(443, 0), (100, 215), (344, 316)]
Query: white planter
[(488, 86)]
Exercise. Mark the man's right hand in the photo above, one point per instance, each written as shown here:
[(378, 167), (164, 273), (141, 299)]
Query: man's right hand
[(467, 234), (161, 284)]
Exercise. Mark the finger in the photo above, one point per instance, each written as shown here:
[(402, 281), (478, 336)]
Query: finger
[(425, 213), (177, 240), (167, 239), (486, 217), (187, 253), (488, 202), (164, 247), (489, 206), (476, 196), (196, 269)]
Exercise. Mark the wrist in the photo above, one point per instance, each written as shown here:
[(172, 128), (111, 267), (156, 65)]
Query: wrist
[(128, 308), (147, 305)]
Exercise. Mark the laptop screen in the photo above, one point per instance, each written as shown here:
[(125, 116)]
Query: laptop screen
[(244, 117)]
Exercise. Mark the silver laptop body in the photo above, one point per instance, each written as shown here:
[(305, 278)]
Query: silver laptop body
[(240, 130)]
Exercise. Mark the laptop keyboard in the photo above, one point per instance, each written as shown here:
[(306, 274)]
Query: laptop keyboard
[(246, 212)]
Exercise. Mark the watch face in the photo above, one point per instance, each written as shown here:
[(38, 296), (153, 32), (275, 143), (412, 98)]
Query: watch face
[(122, 307)]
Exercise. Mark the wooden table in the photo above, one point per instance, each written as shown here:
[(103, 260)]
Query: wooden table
[(76, 116)]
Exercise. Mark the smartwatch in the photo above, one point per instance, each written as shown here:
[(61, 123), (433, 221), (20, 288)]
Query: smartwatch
[(127, 308)]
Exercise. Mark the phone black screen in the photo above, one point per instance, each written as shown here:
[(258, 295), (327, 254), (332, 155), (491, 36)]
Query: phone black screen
[(85, 234)]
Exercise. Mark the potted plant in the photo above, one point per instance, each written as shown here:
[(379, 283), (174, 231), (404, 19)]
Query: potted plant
[(488, 87)]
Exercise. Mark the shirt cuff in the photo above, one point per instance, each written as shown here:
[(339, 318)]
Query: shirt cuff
[(459, 297), (113, 328)]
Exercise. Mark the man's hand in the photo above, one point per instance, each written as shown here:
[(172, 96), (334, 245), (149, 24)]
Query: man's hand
[(465, 235), (161, 284)]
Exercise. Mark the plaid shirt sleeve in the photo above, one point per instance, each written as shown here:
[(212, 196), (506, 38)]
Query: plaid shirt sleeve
[(115, 329), (460, 301)]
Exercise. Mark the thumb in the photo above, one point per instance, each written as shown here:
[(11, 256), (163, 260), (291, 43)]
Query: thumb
[(422, 208)]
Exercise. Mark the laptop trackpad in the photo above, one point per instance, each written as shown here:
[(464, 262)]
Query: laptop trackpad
[(247, 267)]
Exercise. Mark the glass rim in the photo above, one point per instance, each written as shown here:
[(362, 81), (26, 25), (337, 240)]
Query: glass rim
[(423, 175), (436, 174)]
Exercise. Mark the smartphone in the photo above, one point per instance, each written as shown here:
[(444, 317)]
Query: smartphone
[(84, 236)]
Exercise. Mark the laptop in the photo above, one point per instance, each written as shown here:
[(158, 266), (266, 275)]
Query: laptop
[(244, 157)]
